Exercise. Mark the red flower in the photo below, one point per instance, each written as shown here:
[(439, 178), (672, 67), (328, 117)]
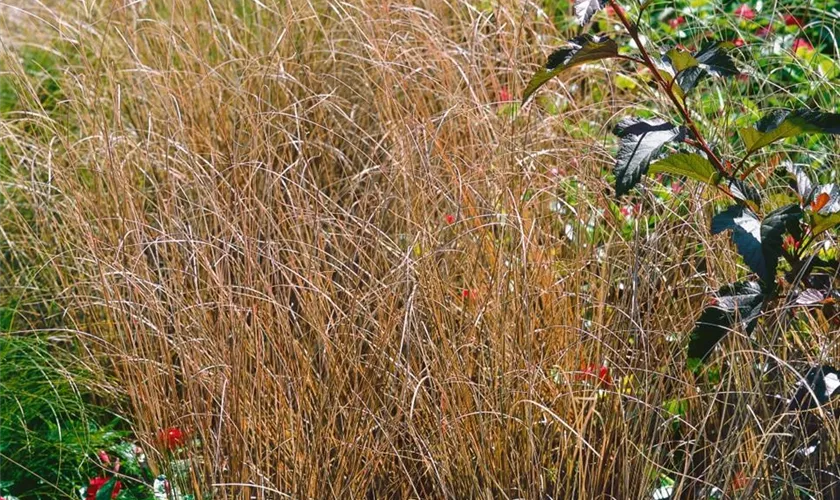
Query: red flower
[(172, 438), (744, 11), (676, 22), (505, 95), (625, 211), (801, 43), (764, 31), (450, 219), (791, 20), (739, 42), (96, 484)]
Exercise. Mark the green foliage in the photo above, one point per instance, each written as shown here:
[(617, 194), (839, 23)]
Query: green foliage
[(691, 165), (583, 49), (52, 416), (677, 145), (781, 124), (49, 424), (714, 60)]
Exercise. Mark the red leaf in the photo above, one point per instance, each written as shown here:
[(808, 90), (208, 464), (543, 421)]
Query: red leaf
[(819, 202)]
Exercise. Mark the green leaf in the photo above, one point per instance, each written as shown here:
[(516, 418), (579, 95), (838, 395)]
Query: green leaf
[(680, 60), (582, 49), (676, 407), (713, 60), (738, 304), (750, 136), (585, 9), (107, 490), (690, 165), (641, 141), (781, 124)]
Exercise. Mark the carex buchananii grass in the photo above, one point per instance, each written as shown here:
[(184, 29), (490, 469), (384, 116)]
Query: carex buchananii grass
[(318, 237)]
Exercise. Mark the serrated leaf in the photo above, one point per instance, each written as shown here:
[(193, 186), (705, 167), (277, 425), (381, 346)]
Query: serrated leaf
[(746, 234), (827, 215), (739, 303), (585, 9), (810, 297), (690, 165), (641, 141), (781, 124), (713, 60), (579, 50)]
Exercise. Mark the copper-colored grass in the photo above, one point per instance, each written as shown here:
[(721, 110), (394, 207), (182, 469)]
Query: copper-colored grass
[(243, 208)]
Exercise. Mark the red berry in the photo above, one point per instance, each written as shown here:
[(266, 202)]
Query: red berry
[(676, 22), (172, 438), (744, 11), (801, 43), (739, 42), (791, 20), (450, 219)]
